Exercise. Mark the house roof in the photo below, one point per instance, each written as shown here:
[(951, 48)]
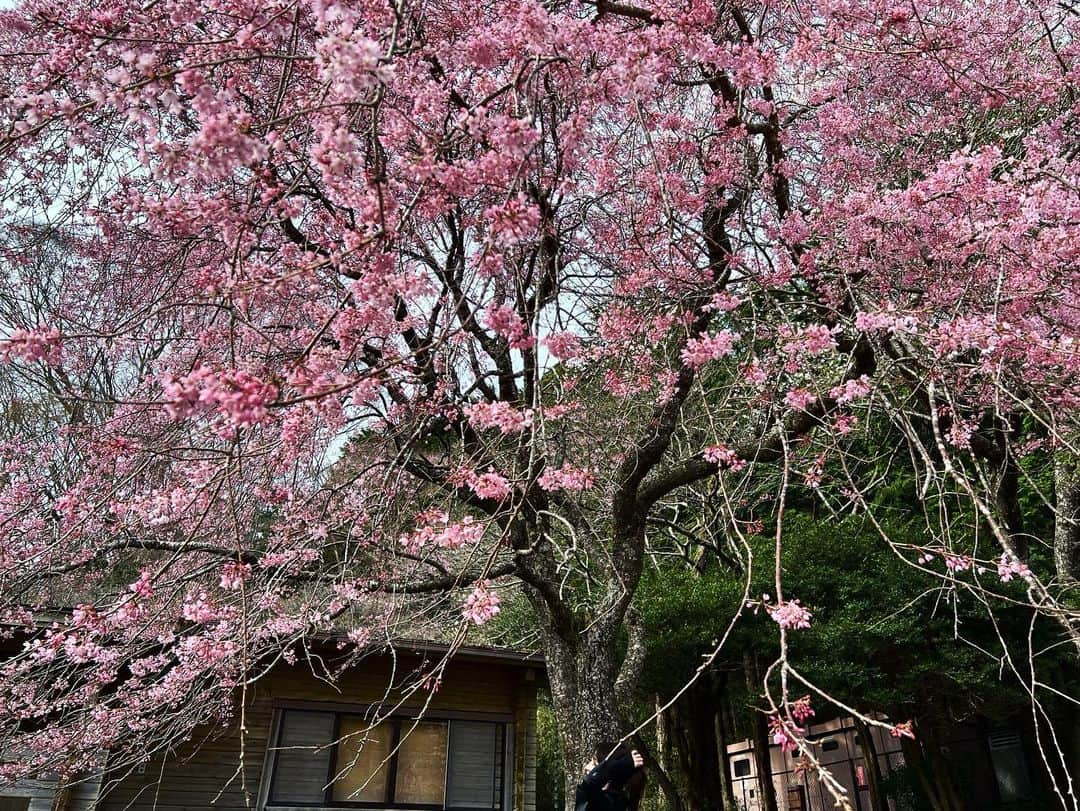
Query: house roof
[(465, 653), (510, 656)]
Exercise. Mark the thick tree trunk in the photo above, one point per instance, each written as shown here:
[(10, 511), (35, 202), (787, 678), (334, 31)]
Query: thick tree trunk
[(878, 802), (762, 757), (590, 671), (582, 673), (61, 800)]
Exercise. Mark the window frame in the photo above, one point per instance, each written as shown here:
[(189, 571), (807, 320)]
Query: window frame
[(737, 764), (504, 723), (829, 743)]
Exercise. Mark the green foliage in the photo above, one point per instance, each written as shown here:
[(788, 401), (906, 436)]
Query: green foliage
[(885, 636), (550, 788)]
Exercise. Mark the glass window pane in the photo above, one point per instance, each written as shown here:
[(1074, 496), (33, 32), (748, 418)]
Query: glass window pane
[(363, 761), (475, 779), (302, 762), (421, 763)]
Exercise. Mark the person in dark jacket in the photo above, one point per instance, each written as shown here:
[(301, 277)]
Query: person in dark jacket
[(613, 784)]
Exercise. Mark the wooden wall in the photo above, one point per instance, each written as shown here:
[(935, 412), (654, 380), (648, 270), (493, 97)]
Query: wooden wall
[(78, 796), (223, 768)]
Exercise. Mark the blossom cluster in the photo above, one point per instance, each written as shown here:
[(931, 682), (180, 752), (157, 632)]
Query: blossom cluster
[(790, 614), (784, 734), (724, 457), (504, 321), (499, 415), (567, 477), (481, 605), (239, 397), (437, 530), (851, 390), (699, 351), (41, 344), (802, 709)]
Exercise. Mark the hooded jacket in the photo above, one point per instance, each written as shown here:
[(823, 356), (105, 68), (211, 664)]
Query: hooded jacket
[(590, 794)]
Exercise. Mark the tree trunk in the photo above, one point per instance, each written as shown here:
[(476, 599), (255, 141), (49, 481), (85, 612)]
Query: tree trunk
[(671, 793), (878, 802), (581, 673), (61, 800), (1067, 519), (728, 796), (762, 756), (694, 722), (924, 758), (663, 734)]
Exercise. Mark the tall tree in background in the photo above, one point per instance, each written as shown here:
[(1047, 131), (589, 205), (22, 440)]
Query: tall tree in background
[(313, 309)]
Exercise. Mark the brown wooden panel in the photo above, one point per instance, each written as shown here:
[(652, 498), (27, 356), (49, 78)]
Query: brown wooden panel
[(421, 771), (363, 759)]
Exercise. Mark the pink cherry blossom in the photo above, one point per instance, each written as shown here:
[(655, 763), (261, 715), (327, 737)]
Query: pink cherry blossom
[(200, 609), (439, 531), (802, 710), (1009, 567), (563, 345), (233, 575), (499, 415), (481, 605), (240, 398), (725, 457), (813, 340), (851, 390), (699, 351), (905, 729), (790, 614), (799, 399), (513, 221), (41, 344), (566, 477), (785, 735), (504, 321), (489, 485)]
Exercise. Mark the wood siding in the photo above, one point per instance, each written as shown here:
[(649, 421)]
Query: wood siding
[(222, 769), (78, 796)]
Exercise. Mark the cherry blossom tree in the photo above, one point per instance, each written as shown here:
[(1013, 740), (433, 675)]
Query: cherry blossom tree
[(327, 316)]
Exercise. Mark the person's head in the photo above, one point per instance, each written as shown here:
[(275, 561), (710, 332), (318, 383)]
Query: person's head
[(606, 749)]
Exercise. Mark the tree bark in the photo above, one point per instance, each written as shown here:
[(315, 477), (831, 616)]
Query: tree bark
[(728, 796), (581, 673), (925, 759), (663, 733), (1067, 519), (694, 722), (762, 756), (878, 802)]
